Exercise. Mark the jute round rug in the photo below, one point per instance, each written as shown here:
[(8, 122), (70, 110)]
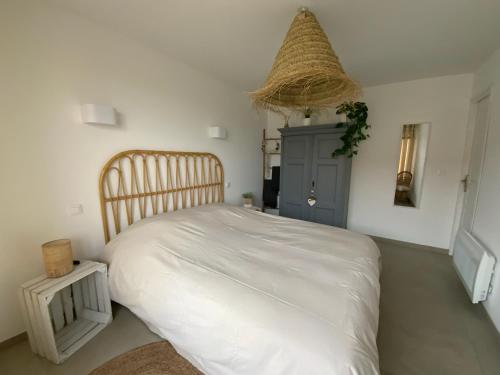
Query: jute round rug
[(158, 358)]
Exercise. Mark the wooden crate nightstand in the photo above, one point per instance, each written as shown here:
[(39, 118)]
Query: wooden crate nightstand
[(64, 313)]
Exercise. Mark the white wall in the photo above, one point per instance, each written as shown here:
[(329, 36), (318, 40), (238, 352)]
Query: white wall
[(51, 62), (487, 217), (444, 103)]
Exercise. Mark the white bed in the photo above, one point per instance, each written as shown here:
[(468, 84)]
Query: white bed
[(242, 292)]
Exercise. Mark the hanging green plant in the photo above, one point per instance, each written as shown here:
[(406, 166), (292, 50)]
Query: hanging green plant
[(356, 128)]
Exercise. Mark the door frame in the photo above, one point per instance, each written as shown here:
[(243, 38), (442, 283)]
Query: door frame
[(473, 111)]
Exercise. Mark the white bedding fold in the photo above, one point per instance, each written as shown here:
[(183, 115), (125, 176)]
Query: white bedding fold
[(241, 292)]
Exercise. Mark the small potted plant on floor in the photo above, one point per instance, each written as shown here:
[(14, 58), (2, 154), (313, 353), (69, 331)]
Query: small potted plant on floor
[(247, 199)]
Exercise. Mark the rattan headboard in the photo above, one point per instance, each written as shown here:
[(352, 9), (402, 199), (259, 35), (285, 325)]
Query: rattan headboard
[(136, 184)]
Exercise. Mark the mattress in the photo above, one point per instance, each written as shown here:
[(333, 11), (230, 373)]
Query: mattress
[(242, 292)]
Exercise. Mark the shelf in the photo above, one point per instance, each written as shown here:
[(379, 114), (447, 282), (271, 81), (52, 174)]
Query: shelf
[(75, 335), (63, 314)]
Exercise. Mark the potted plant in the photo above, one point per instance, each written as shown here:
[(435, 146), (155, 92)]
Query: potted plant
[(247, 199), (307, 116), (356, 114)]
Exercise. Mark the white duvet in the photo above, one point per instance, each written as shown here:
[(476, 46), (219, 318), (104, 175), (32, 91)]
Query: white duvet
[(242, 292)]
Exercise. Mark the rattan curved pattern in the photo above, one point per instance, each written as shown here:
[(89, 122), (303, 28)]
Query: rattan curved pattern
[(306, 73), (136, 184)]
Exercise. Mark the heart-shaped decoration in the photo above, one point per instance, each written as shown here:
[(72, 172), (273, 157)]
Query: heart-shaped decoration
[(311, 201)]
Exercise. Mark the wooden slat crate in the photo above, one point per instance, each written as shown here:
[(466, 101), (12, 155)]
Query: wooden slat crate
[(64, 313)]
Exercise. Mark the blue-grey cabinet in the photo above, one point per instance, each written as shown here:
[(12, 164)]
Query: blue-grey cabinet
[(314, 186)]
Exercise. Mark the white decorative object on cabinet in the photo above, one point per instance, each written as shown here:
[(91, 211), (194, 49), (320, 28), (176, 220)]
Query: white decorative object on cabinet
[(62, 314)]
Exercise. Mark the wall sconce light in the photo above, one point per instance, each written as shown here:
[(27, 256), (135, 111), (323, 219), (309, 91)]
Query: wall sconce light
[(101, 114), (217, 132)]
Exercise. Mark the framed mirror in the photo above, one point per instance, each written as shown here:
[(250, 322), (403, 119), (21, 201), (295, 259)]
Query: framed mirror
[(411, 165)]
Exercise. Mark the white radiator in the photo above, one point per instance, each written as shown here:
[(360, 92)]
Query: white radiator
[(474, 264)]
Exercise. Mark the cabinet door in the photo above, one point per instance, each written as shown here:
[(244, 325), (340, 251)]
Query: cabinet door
[(331, 181), (295, 176)]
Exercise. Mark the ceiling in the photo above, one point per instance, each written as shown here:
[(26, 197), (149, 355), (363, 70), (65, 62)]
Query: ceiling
[(378, 42)]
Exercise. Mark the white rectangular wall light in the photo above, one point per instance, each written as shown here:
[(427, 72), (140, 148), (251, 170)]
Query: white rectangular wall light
[(98, 114), (217, 132)]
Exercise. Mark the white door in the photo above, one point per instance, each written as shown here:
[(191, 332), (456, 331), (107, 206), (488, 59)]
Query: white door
[(472, 181)]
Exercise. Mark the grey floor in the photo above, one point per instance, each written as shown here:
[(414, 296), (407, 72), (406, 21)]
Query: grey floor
[(427, 323), (427, 326)]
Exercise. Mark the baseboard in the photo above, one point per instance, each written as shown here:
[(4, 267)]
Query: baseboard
[(412, 245), (13, 340), (497, 330)]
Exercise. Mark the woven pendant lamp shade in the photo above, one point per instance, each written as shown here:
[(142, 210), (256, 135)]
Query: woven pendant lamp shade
[(306, 72)]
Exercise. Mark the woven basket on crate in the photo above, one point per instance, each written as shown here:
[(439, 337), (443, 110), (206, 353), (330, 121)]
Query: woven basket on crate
[(306, 72), (57, 257)]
